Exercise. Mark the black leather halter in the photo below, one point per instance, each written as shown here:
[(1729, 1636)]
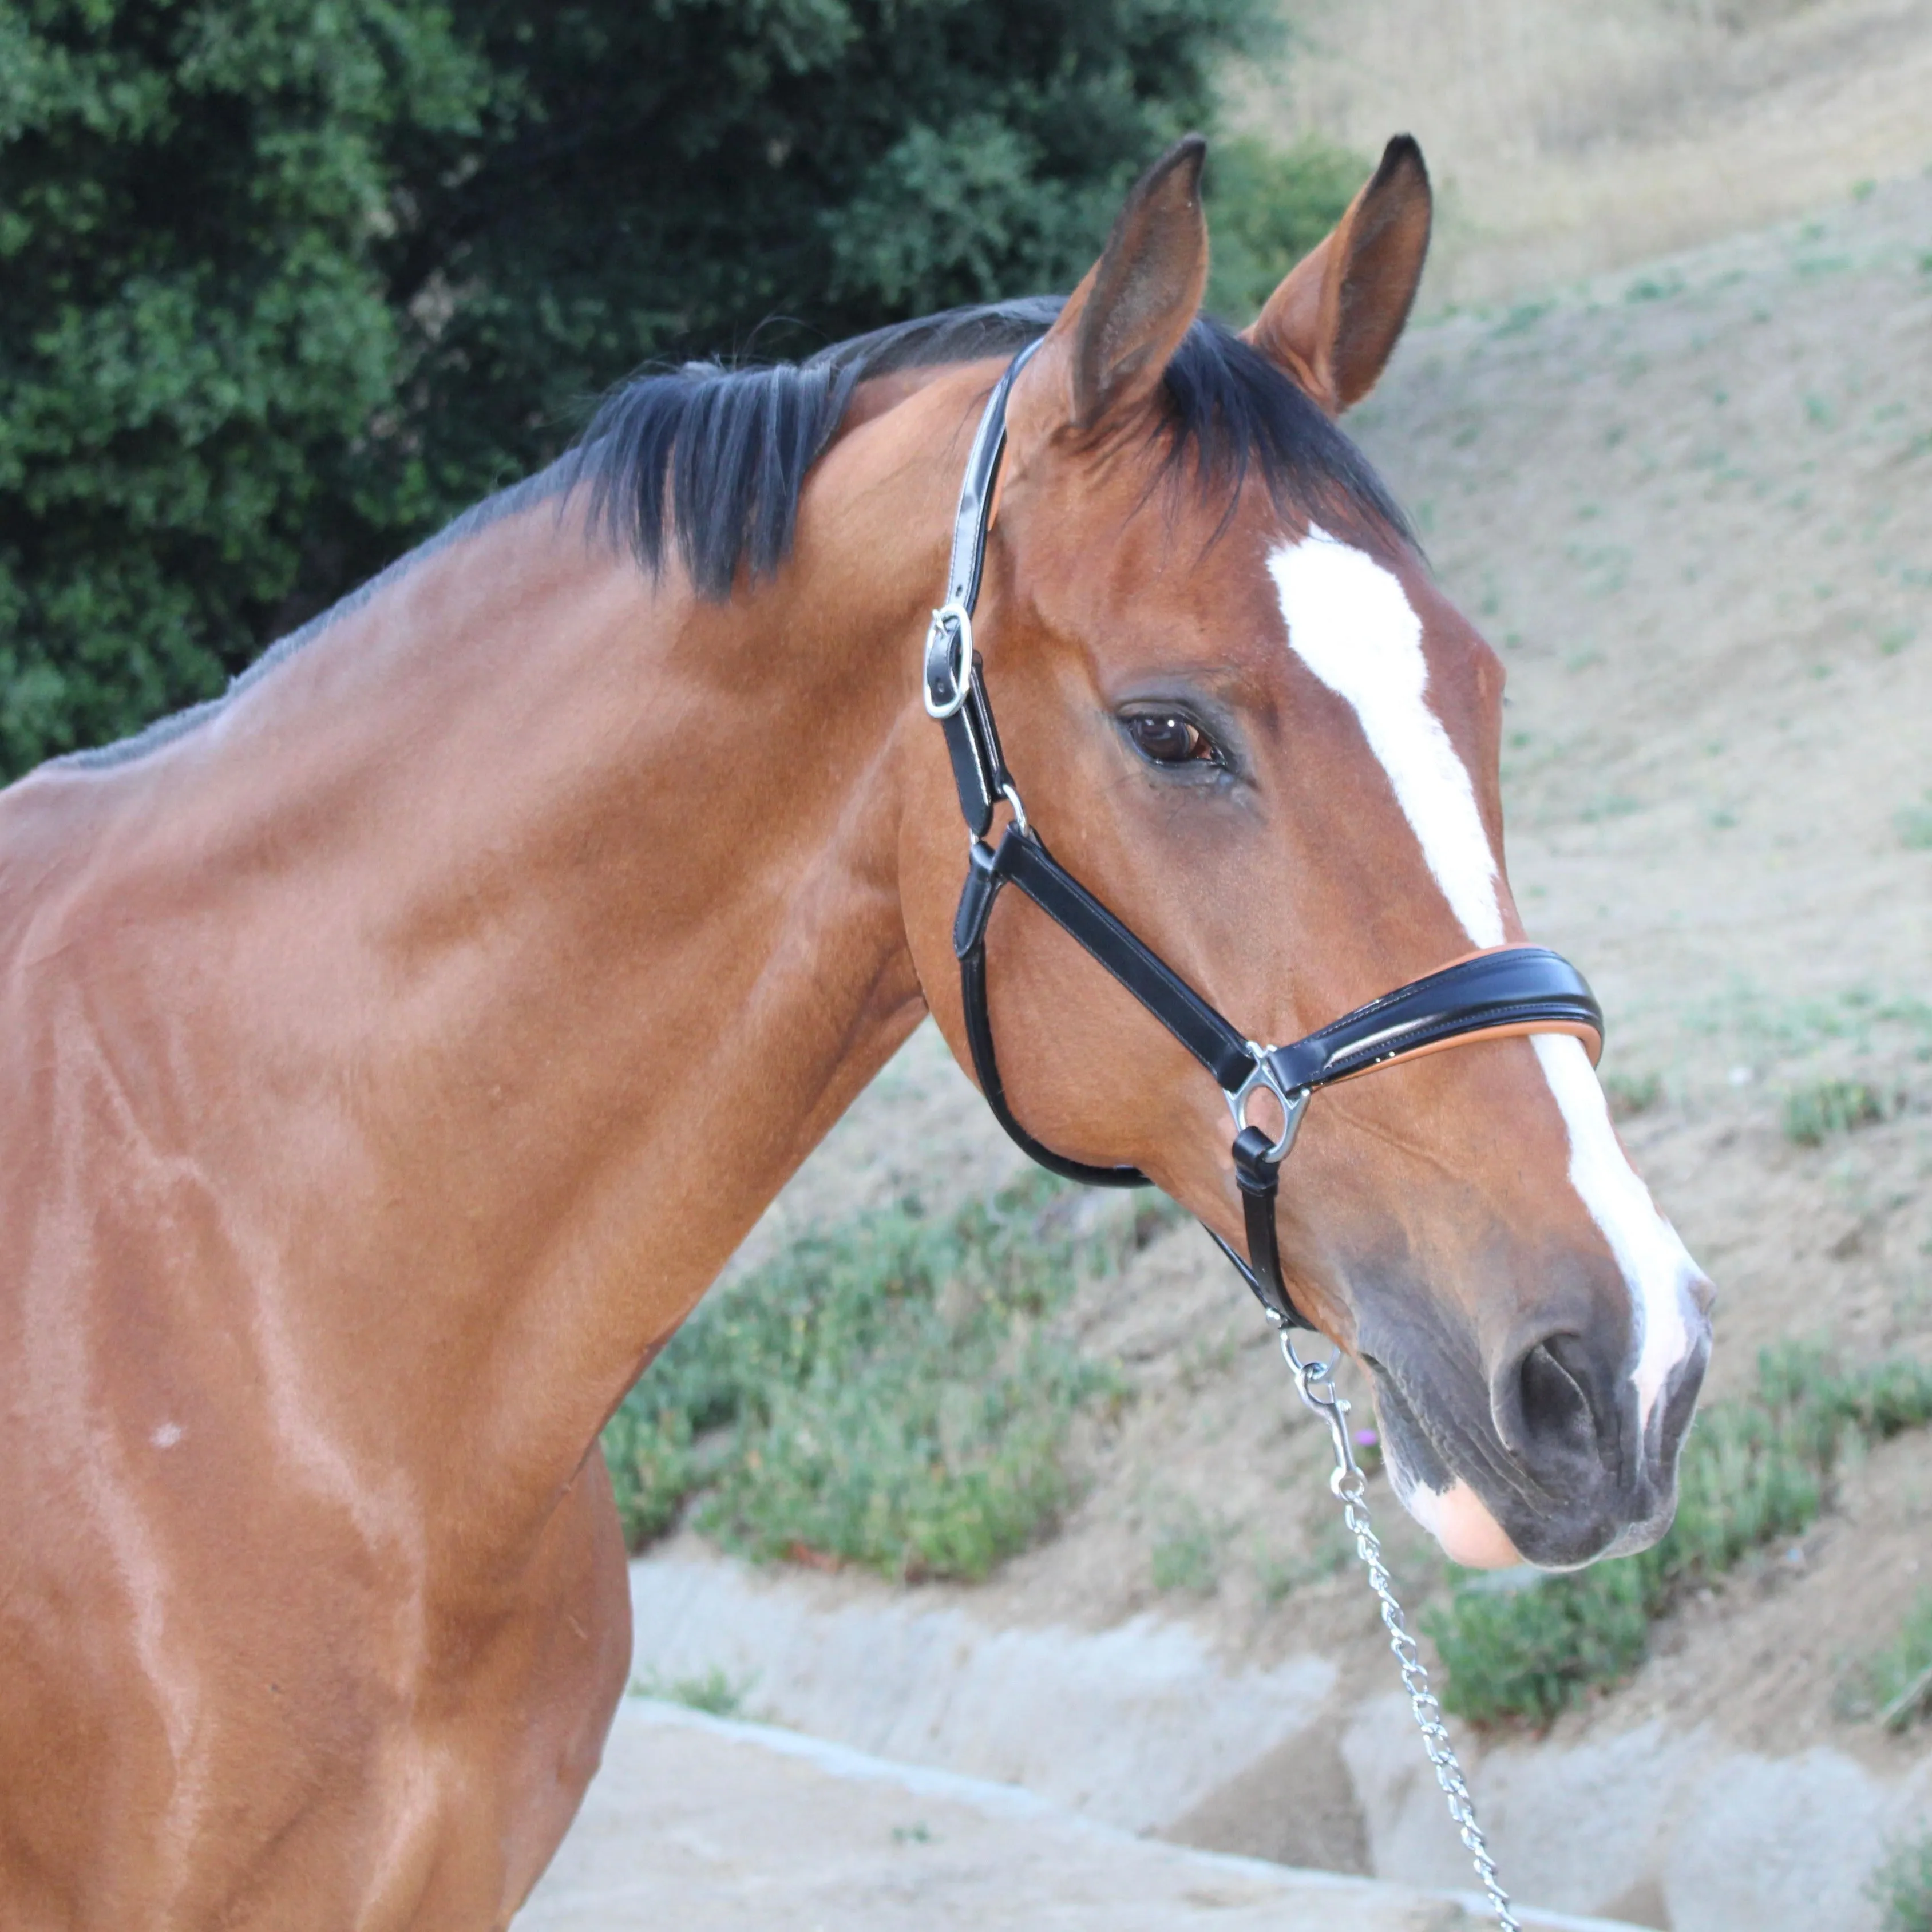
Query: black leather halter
[(1514, 989)]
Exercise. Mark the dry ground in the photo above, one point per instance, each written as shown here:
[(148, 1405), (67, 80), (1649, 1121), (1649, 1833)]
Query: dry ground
[(748, 1826), (1692, 508), (1568, 138)]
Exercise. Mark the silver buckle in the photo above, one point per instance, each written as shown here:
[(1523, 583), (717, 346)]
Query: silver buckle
[(954, 616), (1293, 1102)]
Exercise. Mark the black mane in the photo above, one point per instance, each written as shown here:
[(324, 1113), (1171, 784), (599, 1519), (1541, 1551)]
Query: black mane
[(709, 461)]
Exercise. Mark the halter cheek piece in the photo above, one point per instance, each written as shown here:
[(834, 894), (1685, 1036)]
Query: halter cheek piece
[(1510, 990)]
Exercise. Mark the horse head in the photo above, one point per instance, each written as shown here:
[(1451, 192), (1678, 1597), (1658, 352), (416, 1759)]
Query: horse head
[(1243, 715)]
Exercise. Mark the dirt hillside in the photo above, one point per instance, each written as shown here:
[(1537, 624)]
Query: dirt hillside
[(1568, 139)]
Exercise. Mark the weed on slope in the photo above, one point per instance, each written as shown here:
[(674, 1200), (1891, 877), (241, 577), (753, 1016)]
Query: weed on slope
[(889, 1394)]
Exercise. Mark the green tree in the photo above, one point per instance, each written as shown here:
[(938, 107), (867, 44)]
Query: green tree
[(1269, 207), (195, 338), (286, 283)]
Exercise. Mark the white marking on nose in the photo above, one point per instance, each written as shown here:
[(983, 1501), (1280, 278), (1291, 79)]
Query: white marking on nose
[(1460, 1521), (1351, 622), (166, 1436), (1654, 1262)]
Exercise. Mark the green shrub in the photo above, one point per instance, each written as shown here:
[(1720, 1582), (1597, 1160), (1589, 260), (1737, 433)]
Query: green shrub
[(1902, 1887), (715, 1691), (888, 1393), (1276, 1574), (1630, 1094), (1813, 1114), (1186, 1554), (1267, 207), (286, 285), (1528, 1652), (1895, 1684), (1752, 1470)]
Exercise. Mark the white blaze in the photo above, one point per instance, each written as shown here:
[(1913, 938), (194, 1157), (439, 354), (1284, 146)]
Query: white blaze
[(1655, 1261), (1351, 622)]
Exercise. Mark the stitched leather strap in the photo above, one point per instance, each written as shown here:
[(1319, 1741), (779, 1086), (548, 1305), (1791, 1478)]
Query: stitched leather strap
[(955, 692), (1516, 989), (1023, 860), (1259, 1180), (974, 518), (984, 879)]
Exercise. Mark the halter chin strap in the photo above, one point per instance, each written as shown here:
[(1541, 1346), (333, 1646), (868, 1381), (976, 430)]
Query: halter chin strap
[(1506, 991)]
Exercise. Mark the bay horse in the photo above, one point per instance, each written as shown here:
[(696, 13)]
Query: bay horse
[(395, 1048)]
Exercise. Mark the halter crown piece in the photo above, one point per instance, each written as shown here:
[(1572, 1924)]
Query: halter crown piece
[(1510, 990)]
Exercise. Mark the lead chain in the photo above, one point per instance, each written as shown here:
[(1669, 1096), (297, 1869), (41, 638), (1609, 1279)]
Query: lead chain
[(1317, 1388)]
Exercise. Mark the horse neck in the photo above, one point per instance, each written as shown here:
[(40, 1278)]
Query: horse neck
[(568, 907)]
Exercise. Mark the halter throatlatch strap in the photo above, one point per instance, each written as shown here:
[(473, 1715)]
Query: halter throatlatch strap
[(1509, 991)]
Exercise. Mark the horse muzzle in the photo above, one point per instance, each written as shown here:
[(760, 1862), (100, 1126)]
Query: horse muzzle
[(1548, 1457)]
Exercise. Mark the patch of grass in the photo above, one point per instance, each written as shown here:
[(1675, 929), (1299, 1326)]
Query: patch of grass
[(1612, 804), (1529, 1652), (1901, 1888), (1813, 1114), (1763, 1027), (1523, 317), (715, 1691), (888, 1394), (1187, 1553), (1632, 1093), (1752, 1470), (1330, 1550), (1894, 1685), (1914, 823)]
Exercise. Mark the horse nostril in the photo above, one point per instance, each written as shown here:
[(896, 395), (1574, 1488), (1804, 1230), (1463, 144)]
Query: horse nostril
[(1553, 1410)]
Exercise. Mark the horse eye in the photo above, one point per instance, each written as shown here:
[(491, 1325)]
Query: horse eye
[(1168, 740)]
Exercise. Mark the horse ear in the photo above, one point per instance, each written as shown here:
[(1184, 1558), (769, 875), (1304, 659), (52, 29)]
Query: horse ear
[(1333, 323), (1107, 352)]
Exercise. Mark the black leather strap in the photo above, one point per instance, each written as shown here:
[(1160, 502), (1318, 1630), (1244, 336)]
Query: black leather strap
[(984, 879), (1021, 858), (979, 773), (955, 692), (1523, 986), (1259, 1180), (974, 516)]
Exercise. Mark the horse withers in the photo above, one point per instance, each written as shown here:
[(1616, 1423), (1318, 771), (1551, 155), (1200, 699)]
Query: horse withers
[(396, 1048)]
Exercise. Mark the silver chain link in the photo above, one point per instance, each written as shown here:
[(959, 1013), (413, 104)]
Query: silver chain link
[(1316, 1387)]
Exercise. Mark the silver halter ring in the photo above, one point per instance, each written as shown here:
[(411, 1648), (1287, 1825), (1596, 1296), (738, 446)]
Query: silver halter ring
[(1293, 1101)]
